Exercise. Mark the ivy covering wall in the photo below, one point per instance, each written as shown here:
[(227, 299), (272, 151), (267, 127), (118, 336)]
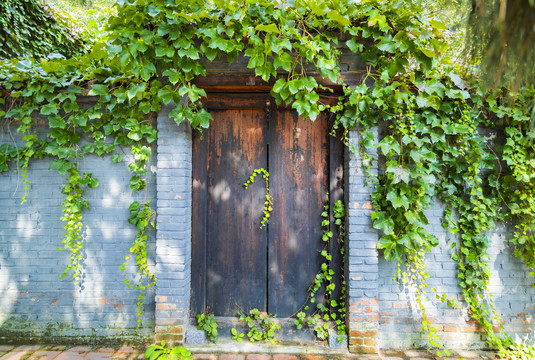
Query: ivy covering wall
[(430, 110), (31, 28)]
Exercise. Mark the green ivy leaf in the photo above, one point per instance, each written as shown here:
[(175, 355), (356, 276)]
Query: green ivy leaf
[(98, 89), (389, 145), (48, 109), (335, 16), (387, 44), (56, 121), (397, 200), (381, 222), (166, 94), (271, 28)]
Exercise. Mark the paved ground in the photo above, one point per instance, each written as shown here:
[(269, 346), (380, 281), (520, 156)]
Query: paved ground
[(50, 352)]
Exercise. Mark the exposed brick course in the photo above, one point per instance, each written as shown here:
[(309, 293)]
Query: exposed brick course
[(173, 236)]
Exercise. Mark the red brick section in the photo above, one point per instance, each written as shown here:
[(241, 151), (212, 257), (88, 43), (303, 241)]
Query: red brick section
[(363, 318), (284, 357), (205, 357), (258, 357), (313, 357), (169, 323), (232, 357)]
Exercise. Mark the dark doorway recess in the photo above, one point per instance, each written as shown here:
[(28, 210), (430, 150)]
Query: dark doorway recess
[(236, 266)]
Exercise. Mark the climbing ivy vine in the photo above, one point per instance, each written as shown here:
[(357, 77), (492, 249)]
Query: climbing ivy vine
[(429, 114), (268, 202), (329, 309)]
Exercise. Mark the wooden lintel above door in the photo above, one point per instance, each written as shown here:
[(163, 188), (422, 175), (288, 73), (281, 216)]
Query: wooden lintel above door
[(232, 82)]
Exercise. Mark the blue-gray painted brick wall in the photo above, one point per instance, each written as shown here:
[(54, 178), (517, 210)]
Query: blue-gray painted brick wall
[(399, 322), (34, 302), (173, 238), (361, 263)]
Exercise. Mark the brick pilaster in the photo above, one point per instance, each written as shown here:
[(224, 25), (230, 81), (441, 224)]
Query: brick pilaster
[(173, 229), (362, 260)]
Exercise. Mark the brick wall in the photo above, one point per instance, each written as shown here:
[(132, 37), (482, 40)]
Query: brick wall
[(382, 312), (362, 270), (34, 303), (513, 296), (173, 238)]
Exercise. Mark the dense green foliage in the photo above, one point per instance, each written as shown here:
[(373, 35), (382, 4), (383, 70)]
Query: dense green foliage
[(430, 117), (260, 326), (161, 352), (207, 323), (30, 28)]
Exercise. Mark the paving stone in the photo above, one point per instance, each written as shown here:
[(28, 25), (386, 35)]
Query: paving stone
[(27, 348), (204, 356), (124, 353), (80, 349), (258, 357), (468, 355), (284, 357), (105, 350), (70, 355), (94, 355), (44, 355), (231, 357), (14, 355), (126, 349), (313, 357), (417, 355)]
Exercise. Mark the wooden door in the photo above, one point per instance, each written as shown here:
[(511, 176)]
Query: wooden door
[(236, 266)]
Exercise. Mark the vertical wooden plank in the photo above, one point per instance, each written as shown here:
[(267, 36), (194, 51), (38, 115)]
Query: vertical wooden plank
[(235, 245), (198, 219), (336, 192), (298, 165)]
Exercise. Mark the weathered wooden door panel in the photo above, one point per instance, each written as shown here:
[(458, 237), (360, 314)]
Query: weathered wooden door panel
[(298, 166), (235, 264), (233, 246)]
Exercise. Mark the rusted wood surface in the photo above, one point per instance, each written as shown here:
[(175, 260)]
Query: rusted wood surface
[(235, 246), (336, 192), (298, 165), (235, 265)]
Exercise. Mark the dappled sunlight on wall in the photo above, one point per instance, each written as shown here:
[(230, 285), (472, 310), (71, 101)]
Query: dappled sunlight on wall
[(34, 302), (8, 292)]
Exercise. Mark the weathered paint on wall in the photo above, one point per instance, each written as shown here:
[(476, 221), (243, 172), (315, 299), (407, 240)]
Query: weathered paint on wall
[(35, 304)]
